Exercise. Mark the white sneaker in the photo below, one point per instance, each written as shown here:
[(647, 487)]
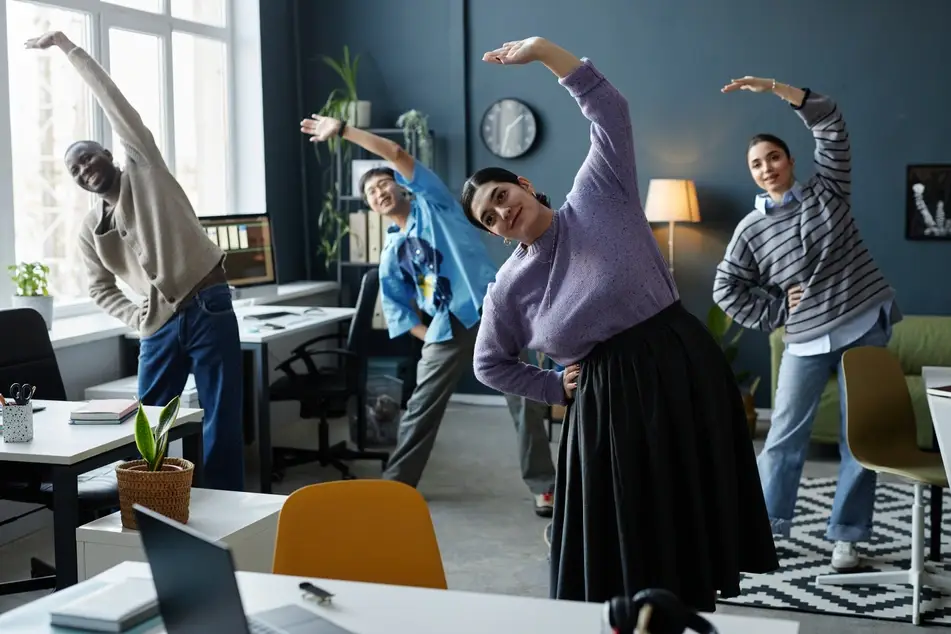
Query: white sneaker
[(844, 557), (544, 504)]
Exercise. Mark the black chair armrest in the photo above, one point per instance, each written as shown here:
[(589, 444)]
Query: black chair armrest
[(302, 347), (306, 357)]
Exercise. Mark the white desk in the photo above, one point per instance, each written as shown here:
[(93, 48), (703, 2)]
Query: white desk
[(940, 411), (255, 338), (67, 451), (97, 326), (367, 608)]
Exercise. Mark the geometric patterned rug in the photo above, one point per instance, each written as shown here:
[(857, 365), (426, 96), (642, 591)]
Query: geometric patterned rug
[(807, 554)]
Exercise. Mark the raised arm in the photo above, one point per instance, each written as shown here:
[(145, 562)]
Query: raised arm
[(833, 153), (496, 362), (103, 289), (738, 292), (124, 119), (610, 167)]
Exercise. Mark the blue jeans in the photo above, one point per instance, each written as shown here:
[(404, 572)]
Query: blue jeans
[(202, 339), (799, 387)]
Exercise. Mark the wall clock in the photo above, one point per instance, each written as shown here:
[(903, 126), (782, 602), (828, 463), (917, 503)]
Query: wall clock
[(509, 128)]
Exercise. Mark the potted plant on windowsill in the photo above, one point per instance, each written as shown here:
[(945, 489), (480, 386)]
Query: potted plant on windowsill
[(719, 324), (155, 481), (32, 289)]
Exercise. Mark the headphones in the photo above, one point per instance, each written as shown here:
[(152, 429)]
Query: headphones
[(669, 616)]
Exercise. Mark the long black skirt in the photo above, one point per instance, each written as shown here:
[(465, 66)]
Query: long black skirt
[(657, 484)]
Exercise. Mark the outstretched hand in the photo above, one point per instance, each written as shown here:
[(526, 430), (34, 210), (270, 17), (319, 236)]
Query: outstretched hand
[(51, 38), (319, 128), (517, 52), (753, 84)]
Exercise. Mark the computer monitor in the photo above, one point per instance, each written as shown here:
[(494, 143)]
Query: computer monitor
[(248, 245)]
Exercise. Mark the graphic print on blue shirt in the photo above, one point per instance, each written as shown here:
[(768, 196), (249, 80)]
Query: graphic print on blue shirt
[(420, 263), (437, 264)]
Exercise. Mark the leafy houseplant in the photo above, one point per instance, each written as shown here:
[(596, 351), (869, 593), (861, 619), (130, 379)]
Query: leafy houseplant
[(32, 289), (155, 481), (344, 104), (416, 123), (719, 324)]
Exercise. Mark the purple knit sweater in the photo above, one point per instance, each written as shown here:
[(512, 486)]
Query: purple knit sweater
[(596, 271)]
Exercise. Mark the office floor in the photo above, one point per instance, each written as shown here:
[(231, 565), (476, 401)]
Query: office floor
[(490, 538)]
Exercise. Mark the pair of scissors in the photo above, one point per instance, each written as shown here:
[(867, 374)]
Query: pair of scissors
[(22, 394)]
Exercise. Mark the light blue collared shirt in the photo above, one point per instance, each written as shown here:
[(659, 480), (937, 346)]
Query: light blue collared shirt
[(845, 333), (439, 262)]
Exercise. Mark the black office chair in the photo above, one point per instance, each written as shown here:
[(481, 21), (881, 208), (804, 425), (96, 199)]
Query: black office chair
[(27, 357), (329, 388)]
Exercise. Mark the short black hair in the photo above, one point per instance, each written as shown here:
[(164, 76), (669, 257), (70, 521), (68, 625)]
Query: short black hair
[(374, 171), (765, 137), (93, 146), (490, 175)]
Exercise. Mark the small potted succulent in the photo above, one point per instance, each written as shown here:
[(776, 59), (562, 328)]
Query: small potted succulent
[(155, 481), (32, 289)]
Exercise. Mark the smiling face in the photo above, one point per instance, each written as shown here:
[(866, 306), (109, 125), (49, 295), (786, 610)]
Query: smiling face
[(91, 166), (508, 210), (383, 194), (771, 167)]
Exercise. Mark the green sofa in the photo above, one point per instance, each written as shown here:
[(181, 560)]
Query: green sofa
[(917, 340)]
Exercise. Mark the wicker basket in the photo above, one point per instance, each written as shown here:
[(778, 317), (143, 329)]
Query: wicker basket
[(167, 491)]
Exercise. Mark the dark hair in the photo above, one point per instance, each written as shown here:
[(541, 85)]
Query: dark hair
[(769, 138), (490, 175), (370, 173), (92, 146)]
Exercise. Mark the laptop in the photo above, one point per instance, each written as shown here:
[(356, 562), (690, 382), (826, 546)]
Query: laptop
[(197, 590)]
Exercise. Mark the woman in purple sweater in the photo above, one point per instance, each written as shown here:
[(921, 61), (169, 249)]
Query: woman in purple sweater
[(657, 483)]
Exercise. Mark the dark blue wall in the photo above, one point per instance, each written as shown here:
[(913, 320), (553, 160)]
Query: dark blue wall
[(885, 62)]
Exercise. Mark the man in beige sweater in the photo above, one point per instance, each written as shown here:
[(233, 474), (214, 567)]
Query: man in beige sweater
[(146, 233)]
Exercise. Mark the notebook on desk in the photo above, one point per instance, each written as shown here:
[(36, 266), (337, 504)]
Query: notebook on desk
[(104, 411), (117, 607), (944, 390)]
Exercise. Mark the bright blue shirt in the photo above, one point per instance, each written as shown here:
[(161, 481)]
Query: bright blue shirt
[(439, 261)]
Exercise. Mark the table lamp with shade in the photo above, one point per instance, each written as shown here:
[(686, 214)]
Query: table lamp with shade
[(671, 200)]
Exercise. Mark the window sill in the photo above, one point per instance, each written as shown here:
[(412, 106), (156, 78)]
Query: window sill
[(74, 331)]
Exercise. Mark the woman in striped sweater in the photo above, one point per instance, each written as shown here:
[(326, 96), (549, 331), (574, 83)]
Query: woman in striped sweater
[(797, 260)]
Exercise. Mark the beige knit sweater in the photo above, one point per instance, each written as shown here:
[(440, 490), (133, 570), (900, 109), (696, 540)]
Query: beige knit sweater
[(155, 244)]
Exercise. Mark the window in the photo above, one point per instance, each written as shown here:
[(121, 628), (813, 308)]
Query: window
[(172, 61)]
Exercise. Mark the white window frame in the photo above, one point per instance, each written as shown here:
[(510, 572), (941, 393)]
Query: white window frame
[(245, 174)]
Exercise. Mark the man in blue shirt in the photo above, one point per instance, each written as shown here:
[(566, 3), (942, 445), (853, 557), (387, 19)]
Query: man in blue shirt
[(434, 264)]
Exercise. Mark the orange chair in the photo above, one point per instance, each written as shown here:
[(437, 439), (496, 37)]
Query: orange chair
[(377, 531)]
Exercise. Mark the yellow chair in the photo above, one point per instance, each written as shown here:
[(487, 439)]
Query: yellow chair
[(882, 435), (378, 531)]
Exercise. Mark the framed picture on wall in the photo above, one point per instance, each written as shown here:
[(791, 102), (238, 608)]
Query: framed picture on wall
[(928, 202), (359, 167)]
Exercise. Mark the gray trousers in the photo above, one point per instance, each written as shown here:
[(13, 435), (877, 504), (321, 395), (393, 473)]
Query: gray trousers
[(437, 374)]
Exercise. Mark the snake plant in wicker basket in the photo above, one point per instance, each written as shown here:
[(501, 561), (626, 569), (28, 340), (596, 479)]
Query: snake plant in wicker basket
[(153, 443), (157, 482)]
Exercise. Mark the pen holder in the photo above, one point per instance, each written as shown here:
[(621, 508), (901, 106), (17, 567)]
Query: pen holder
[(18, 423)]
